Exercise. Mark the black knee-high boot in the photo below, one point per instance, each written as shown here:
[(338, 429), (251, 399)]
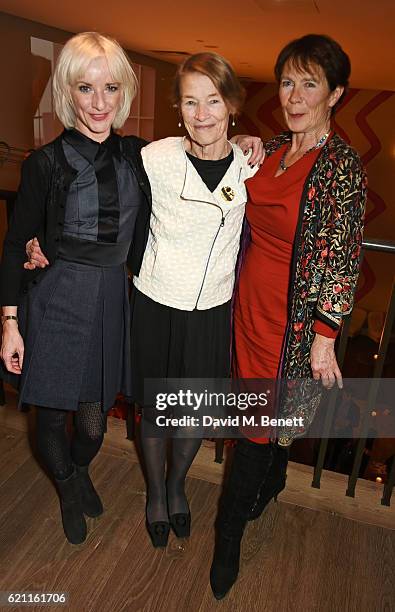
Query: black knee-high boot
[(250, 467), (274, 482)]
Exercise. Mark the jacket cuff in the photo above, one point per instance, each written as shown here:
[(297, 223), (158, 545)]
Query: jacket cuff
[(329, 319), (319, 327)]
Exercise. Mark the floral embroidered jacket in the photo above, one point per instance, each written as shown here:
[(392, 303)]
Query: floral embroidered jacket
[(325, 267)]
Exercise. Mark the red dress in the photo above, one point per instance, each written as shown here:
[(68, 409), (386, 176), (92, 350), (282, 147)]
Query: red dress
[(260, 314)]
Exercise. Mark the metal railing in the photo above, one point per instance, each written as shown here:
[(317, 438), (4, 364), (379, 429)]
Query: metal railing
[(384, 246), (12, 155)]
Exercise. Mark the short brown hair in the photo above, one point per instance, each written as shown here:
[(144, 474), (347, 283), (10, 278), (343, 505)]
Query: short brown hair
[(219, 71), (319, 50)]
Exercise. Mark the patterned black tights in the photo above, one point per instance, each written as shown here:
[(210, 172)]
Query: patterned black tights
[(53, 443)]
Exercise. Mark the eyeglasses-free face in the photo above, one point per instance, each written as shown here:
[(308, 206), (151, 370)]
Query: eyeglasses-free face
[(96, 100)]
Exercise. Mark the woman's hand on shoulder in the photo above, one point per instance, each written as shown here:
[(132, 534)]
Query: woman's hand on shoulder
[(36, 257), (12, 347), (252, 144), (323, 362)]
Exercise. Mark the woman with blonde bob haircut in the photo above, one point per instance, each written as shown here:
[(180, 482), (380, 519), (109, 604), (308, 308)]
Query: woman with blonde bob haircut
[(71, 65), (66, 325)]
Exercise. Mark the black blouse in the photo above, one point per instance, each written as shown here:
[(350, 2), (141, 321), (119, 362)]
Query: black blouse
[(211, 171), (102, 202)]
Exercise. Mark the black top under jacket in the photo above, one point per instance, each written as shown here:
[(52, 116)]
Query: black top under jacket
[(211, 171), (104, 198)]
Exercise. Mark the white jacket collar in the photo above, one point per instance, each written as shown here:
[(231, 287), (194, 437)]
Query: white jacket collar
[(232, 183)]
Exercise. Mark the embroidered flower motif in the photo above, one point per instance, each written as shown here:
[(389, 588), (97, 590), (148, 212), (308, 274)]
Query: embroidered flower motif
[(337, 288), (311, 193), (298, 326), (327, 306)]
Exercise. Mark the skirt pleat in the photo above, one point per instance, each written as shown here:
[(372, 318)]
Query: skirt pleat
[(76, 334)]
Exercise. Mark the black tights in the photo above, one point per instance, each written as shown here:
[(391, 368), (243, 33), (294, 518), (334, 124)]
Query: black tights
[(54, 446), (166, 495)]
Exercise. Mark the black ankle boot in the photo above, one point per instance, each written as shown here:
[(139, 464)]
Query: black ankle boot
[(73, 519), (250, 466), (274, 482), (91, 503)]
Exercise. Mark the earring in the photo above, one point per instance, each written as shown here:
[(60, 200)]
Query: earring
[(179, 124), (233, 121)]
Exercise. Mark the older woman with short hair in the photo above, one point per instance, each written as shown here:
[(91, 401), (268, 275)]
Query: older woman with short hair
[(80, 195), (305, 214), (181, 302)]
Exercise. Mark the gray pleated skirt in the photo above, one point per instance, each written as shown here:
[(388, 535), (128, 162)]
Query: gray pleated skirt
[(76, 328)]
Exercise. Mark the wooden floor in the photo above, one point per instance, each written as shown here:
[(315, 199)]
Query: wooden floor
[(293, 559)]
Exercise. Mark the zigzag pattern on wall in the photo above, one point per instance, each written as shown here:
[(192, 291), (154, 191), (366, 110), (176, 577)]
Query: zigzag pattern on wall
[(264, 119)]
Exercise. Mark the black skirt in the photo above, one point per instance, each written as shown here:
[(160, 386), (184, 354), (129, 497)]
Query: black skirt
[(76, 328), (171, 343)]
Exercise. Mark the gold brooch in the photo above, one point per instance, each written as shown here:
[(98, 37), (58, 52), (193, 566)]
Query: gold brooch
[(227, 193)]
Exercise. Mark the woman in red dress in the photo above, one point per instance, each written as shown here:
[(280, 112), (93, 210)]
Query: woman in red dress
[(305, 215)]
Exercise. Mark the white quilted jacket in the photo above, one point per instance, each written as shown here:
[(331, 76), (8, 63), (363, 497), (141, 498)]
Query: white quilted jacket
[(191, 253)]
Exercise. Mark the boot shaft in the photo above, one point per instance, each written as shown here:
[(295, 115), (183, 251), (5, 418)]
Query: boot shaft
[(250, 466)]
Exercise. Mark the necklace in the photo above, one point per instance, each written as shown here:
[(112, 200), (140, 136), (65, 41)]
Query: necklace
[(316, 146)]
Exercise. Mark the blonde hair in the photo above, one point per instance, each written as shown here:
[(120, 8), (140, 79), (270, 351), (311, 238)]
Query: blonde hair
[(72, 63)]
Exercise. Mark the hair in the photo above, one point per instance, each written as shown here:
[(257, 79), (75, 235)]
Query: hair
[(72, 63), (219, 71), (317, 50)]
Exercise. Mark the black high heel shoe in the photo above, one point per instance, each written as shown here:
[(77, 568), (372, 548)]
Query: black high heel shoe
[(181, 524), (159, 533)]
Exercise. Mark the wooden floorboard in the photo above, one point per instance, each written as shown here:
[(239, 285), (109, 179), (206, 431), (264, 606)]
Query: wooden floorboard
[(171, 579), (365, 507), (294, 558)]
